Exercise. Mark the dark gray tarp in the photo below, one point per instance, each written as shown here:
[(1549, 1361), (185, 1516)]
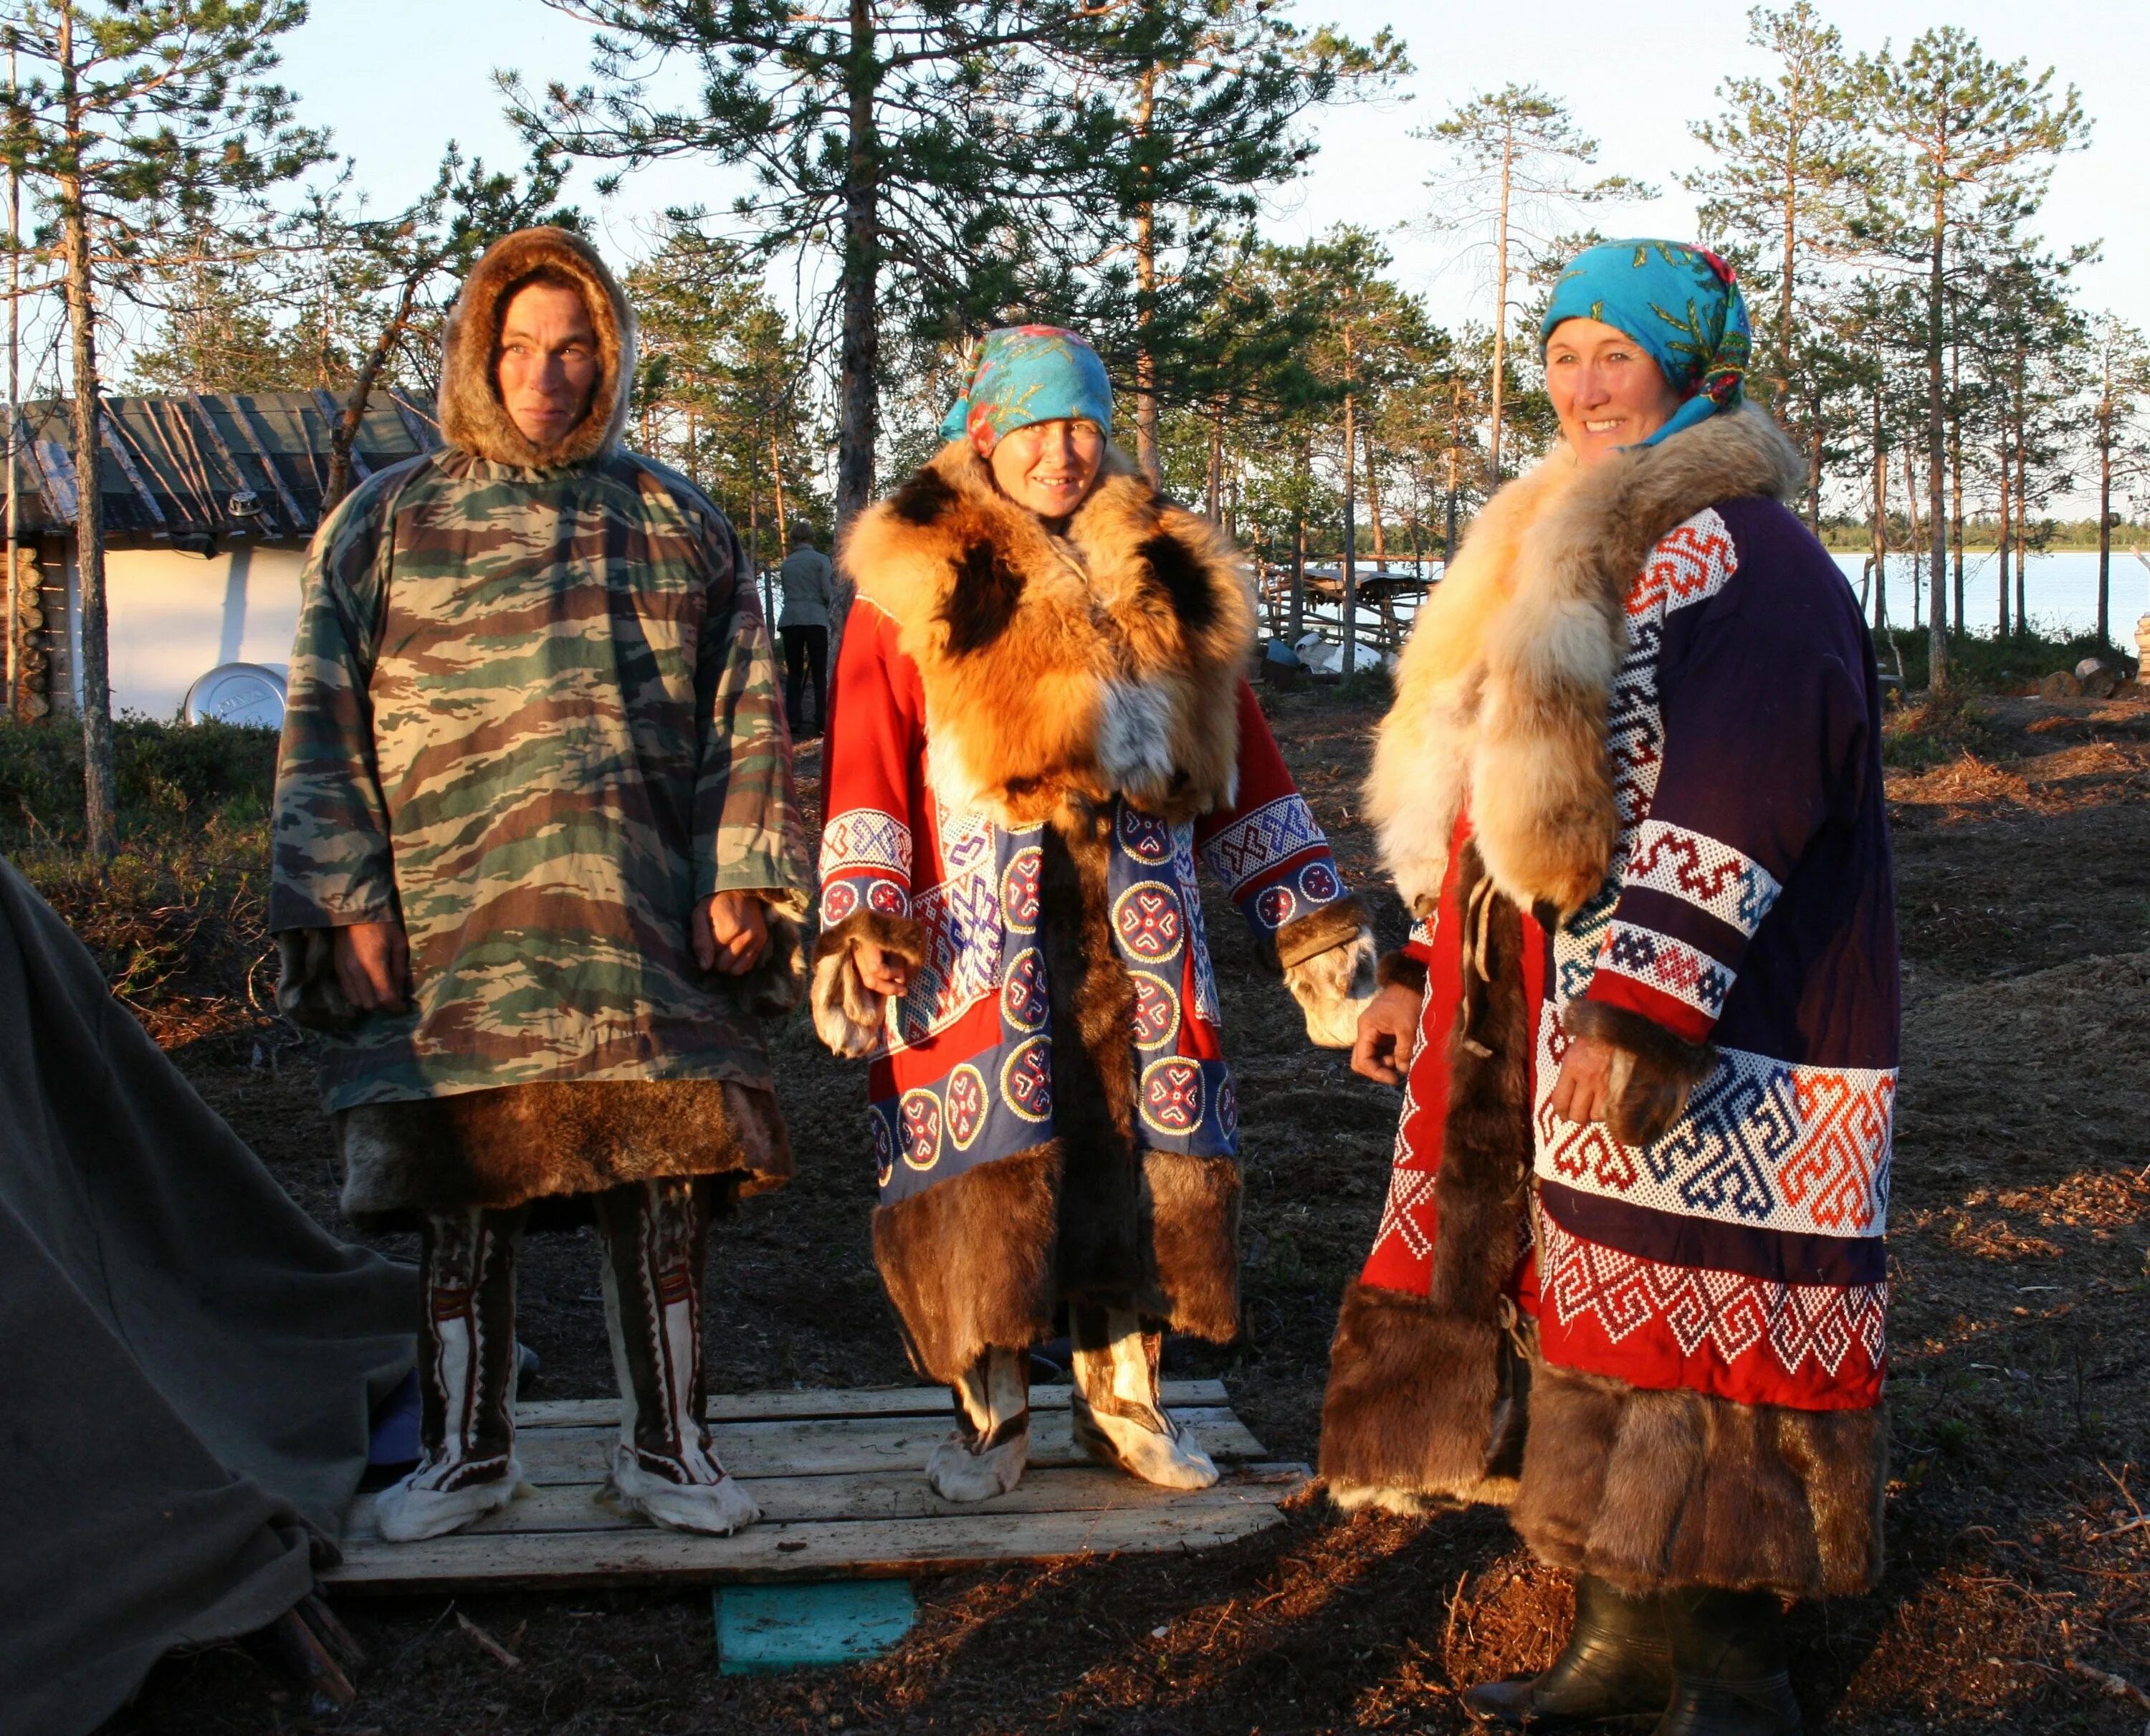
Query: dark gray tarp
[(186, 1360)]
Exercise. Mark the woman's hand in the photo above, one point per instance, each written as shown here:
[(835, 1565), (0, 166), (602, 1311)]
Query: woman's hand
[(883, 972), (1583, 1090), (372, 965), (1386, 1031), (731, 933)]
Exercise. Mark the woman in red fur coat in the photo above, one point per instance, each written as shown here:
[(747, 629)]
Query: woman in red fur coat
[(1040, 720)]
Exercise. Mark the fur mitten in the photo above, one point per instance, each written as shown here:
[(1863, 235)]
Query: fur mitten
[(1332, 989), (848, 1015), (1654, 1074)]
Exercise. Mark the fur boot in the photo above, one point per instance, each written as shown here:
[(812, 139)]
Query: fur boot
[(466, 1367), (1120, 1417), (656, 1236), (986, 1455)]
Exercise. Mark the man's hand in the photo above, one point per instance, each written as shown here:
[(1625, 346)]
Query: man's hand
[(884, 972), (731, 933), (1583, 1090), (372, 965), (1387, 1028)]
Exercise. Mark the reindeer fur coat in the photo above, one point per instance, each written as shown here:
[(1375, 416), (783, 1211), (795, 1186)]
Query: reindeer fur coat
[(1036, 731), (1631, 790)]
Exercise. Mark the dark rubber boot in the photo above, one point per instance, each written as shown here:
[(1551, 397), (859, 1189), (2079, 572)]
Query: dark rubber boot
[(1616, 1665), (1728, 1673)]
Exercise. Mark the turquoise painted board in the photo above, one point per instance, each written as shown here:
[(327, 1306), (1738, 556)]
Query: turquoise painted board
[(793, 1627)]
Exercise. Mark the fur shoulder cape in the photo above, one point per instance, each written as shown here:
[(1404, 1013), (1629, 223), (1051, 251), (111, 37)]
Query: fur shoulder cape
[(1063, 668), (471, 415), (1502, 692)]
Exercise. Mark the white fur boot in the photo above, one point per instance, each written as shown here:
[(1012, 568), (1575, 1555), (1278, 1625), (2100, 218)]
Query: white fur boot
[(1119, 1418), (466, 1367), (986, 1453), (656, 1239)]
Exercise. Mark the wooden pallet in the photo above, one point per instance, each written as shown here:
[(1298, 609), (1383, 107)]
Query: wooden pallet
[(839, 1478)]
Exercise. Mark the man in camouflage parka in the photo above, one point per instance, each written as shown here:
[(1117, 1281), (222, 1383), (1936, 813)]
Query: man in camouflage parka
[(537, 868)]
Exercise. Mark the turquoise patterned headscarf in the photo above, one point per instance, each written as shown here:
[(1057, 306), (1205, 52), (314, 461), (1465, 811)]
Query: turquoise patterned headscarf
[(1681, 303), (1026, 374)]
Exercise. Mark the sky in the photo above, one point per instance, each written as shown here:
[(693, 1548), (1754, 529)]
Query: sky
[(395, 79)]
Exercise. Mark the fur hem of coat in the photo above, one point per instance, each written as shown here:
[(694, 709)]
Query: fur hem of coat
[(1654, 1491), (1502, 690), (1058, 672), (521, 1143), (471, 414), (968, 1263), (1424, 1393), (984, 1259), (1419, 1404)]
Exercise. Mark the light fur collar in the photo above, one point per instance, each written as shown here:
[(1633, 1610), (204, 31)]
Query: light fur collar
[(1502, 692), (471, 415), (1105, 660)]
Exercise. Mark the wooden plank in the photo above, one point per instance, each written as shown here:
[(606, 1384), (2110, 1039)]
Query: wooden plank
[(867, 1549), (566, 1508), (847, 1445), (825, 1402)]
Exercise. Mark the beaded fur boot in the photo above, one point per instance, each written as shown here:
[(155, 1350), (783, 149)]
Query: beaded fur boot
[(656, 1237), (466, 1379)]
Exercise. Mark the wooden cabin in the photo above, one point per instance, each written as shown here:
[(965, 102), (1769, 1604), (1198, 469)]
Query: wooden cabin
[(209, 503)]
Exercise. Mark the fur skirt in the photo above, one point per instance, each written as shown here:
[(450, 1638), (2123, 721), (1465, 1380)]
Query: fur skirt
[(553, 1144)]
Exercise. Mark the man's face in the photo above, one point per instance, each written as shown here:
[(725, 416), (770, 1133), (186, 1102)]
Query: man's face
[(548, 362)]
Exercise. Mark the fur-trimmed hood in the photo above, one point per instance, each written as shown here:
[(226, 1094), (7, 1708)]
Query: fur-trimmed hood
[(471, 415), (1502, 692), (1103, 660)]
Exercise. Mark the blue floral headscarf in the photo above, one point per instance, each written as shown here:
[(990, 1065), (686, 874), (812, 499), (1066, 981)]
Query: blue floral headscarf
[(1026, 374), (1681, 303)]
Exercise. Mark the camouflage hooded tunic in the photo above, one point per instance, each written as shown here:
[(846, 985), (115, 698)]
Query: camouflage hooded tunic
[(534, 717)]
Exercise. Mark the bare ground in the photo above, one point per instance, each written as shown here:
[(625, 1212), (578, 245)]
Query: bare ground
[(2018, 1595)]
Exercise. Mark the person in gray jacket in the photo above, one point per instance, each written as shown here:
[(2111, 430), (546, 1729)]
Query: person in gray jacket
[(809, 583)]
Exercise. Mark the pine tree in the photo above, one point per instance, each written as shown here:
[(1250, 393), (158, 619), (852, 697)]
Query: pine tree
[(2123, 360), (1974, 140), (1789, 161), (1204, 106), (1517, 158), (142, 119), (902, 131)]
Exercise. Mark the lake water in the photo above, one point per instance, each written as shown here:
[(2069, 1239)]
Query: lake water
[(2061, 590)]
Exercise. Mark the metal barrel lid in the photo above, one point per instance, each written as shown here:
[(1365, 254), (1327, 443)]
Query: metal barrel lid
[(250, 693)]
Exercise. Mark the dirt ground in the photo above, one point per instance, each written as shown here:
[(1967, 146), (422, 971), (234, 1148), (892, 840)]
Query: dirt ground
[(2018, 1595)]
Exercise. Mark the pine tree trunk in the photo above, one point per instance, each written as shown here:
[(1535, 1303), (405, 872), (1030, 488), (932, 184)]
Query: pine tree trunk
[(2022, 521), (1881, 526), (1937, 624), (2105, 513), (859, 363), (1500, 318), (1373, 502), (346, 435), (99, 781), (1350, 522), (1146, 451), (2005, 525)]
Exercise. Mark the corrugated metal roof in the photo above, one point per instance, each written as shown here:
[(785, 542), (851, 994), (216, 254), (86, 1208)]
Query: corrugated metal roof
[(172, 466)]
